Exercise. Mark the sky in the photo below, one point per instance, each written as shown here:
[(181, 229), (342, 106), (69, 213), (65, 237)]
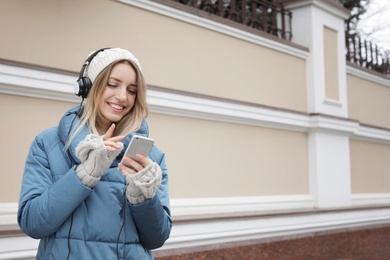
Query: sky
[(376, 23)]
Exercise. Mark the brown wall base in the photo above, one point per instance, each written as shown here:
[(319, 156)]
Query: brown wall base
[(369, 243)]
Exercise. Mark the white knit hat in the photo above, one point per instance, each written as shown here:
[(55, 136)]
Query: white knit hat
[(105, 58)]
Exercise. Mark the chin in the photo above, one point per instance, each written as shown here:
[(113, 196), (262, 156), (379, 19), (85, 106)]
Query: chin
[(116, 119)]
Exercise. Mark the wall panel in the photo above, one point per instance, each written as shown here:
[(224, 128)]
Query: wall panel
[(216, 159), (370, 167)]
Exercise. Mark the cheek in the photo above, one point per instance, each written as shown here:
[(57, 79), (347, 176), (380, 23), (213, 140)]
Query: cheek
[(132, 99), (103, 95), (100, 101)]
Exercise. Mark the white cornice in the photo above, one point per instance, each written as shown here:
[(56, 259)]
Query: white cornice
[(208, 208), (215, 26), (332, 124), (205, 108), (367, 133), (30, 82), (368, 76), (321, 4)]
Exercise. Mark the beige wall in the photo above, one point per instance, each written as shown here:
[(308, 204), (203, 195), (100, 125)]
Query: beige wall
[(368, 102), (216, 159), (174, 54), (22, 119), (370, 167)]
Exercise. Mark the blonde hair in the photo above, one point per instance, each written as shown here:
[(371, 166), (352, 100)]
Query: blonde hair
[(91, 116)]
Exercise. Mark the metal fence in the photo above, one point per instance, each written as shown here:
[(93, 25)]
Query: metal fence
[(366, 54), (271, 17), (263, 15)]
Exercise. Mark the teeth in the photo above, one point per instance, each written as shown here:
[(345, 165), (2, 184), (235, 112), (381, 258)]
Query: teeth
[(116, 106)]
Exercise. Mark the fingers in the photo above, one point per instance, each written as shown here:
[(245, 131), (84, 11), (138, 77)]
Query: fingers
[(108, 135), (125, 170), (109, 132), (111, 143), (143, 159), (131, 166)]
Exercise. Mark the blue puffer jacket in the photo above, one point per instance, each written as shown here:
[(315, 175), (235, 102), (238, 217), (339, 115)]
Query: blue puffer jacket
[(77, 222)]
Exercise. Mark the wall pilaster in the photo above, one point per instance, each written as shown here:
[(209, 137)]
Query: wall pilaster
[(319, 25)]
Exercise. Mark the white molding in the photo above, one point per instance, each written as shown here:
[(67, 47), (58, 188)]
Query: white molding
[(215, 26), (208, 232), (203, 208), (332, 124), (368, 76), (31, 82), (332, 102), (321, 5), (20, 247), (8, 219), (198, 107), (370, 199), (372, 134), (37, 83)]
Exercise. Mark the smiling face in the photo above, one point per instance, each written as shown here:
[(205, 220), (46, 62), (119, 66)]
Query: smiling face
[(119, 95)]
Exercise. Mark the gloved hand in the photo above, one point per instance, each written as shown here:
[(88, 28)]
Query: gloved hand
[(144, 184), (95, 159)]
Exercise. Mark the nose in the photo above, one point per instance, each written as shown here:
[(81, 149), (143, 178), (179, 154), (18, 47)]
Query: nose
[(121, 94)]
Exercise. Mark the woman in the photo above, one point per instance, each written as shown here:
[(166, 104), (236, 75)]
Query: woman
[(76, 196)]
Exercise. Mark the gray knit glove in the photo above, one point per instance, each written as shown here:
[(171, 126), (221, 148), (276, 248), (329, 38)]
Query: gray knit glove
[(144, 184), (95, 159)]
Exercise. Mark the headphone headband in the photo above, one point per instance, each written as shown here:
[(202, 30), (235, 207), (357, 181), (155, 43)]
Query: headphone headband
[(84, 84)]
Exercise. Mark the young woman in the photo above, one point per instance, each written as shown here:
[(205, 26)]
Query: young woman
[(77, 197)]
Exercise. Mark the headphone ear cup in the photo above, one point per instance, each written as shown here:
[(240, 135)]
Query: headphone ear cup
[(83, 86)]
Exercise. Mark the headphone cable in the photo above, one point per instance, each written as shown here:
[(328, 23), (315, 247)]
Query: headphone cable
[(123, 224)]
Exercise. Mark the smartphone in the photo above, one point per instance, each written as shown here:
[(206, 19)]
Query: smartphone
[(139, 144)]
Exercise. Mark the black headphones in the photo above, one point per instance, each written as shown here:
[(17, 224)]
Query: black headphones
[(84, 84)]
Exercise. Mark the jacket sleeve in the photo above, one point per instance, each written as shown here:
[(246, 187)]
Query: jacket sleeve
[(44, 204), (153, 217)]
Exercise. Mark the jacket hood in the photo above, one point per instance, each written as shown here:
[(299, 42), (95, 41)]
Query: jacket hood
[(69, 122)]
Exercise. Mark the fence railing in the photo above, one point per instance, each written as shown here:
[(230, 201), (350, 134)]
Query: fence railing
[(366, 54), (263, 15)]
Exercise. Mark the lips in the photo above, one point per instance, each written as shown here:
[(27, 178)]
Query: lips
[(116, 107)]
